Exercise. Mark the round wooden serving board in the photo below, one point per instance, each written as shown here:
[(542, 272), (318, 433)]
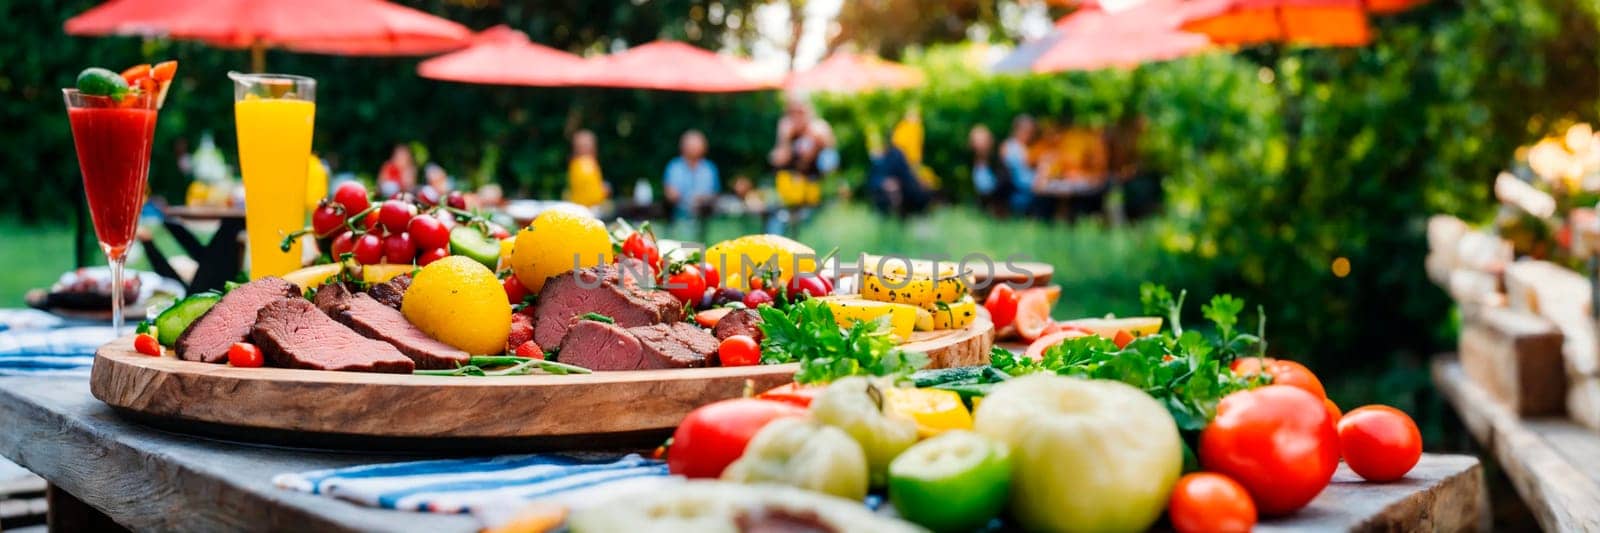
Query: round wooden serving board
[(398, 412)]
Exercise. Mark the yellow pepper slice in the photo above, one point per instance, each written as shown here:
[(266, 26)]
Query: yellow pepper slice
[(935, 411)]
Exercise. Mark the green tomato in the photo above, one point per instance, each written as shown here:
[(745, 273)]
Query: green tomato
[(855, 405), (96, 81), (956, 481), (1087, 455), (804, 454)]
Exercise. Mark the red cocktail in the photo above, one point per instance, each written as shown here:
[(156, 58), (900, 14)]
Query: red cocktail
[(113, 137)]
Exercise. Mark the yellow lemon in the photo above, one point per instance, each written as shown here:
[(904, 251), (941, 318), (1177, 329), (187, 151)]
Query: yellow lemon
[(558, 241), (459, 302), (738, 259)]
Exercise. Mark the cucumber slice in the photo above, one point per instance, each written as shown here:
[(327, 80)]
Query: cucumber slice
[(172, 322), (468, 241)]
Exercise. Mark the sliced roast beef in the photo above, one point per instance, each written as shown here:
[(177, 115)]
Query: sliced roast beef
[(606, 290), (391, 292), (602, 346), (739, 322), (293, 334), (229, 321), (374, 320)]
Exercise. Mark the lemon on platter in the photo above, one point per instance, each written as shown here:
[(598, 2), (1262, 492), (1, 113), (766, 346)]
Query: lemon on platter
[(558, 241), (459, 302), (733, 256)]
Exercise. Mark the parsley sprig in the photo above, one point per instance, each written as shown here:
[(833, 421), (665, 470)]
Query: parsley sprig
[(806, 332)]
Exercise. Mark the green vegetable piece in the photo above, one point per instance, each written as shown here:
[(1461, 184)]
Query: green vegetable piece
[(597, 317), (804, 454), (855, 405), (469, 241), (96, 81), (957, 481), (176, 319), (807, 333)]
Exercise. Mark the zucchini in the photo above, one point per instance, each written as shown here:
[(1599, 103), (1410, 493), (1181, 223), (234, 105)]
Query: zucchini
[(929, 378), (172, 322)]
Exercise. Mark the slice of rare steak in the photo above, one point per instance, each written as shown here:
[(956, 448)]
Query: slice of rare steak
[(601, 346), (675, 345), (739, 322), (292, 333), (374, 320), (391, 292), (606, 290), (229, 321)]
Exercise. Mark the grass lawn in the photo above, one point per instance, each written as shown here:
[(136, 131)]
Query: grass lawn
[(35, 255)]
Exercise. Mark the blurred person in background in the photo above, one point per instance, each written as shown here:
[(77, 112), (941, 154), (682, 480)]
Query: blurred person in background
[(893, 186), (990, 179), (399, 173), (585, 185), (691, 182), (908, 136), (804, 151), (1014, 156)]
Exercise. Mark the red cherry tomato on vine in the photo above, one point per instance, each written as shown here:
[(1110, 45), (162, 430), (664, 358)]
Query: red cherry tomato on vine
[(431, 256), (395, 215), (343, 244), (687, 284), (1277, 441), (353, 196), (1380, 443), (1208, 502), (398, 249), (371, 222), (428, 233), (806, 285), (713, 278), (643, 247), (368, 249), (245, 355), (327, 219), (739, 350), (1002, 305), (1283, 372), (713, 436)]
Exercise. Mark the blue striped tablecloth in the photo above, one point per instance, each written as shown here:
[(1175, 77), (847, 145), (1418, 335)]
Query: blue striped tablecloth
[(36, 343)]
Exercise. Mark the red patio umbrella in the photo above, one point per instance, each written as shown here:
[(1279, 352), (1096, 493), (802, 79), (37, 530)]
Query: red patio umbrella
[(675, 66), (503, 56), (1313, 22), (338, 27), (1093, 37), (846, 72)]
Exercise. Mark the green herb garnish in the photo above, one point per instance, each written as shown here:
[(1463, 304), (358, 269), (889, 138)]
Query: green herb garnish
[(807, 332), (597, 317)]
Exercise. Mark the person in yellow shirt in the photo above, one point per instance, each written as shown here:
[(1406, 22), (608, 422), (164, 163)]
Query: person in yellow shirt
[(908, 137), (585, 184)]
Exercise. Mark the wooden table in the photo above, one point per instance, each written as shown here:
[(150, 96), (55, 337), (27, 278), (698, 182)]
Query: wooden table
[(1553, 462), (146, 479)]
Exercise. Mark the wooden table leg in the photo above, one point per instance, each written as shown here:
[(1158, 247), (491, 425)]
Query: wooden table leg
[(69, 514)]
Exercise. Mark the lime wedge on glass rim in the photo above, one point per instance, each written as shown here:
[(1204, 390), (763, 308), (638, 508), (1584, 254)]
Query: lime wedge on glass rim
[(96, 81)]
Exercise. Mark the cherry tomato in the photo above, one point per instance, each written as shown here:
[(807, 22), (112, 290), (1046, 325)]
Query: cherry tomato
[(1036, 349), (1002, 305), (371, 223), (687, 284), (1208, 502), (515, 292), (430, 256), (428, 233), (530, 349), (428, 196), (368, 249), (456, 200), (756, 298), (395, 215), (164, 71), (806, 285), (756, 283), (715, 435), (1033, 315), (327, 219), (1333, 409), (353, 196), (794, 393), (1380, 443), (343, 244), (643, 247), (147, 344), (739, 350), (449, 220), (398, 249), (713, 278), (1275, 440), (245, 355), (1283, 372)]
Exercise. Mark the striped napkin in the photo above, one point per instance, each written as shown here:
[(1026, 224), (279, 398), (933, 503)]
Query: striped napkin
[(485, 485), (35, 343)]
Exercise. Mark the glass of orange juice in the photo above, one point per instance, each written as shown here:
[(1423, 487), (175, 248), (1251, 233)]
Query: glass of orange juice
[(274, 114)]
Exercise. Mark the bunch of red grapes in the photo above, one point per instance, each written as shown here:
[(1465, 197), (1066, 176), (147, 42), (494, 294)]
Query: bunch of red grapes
[(401, 230)]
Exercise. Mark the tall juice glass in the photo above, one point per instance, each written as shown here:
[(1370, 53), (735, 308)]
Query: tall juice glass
[(113, 139), (273, 114)]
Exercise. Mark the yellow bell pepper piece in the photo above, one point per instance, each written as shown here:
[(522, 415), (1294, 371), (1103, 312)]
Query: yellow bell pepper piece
[(902, 318), (935, 411), (955, 315)]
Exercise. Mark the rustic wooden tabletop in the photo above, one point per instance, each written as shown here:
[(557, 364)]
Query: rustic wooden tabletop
[(146, 479)]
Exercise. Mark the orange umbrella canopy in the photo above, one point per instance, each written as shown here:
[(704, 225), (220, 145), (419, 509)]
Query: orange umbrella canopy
[(1313, 22), (1388, 7), (676, 66), (503, 56), (1093, 37), (341, 27), (846, 72)]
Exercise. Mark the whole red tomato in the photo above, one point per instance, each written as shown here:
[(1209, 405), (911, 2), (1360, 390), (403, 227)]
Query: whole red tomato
[(1380, 443), (1283, 372), (1002, 305), (715, 435), (687, 284), (1208, 502), (1278, 441)]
